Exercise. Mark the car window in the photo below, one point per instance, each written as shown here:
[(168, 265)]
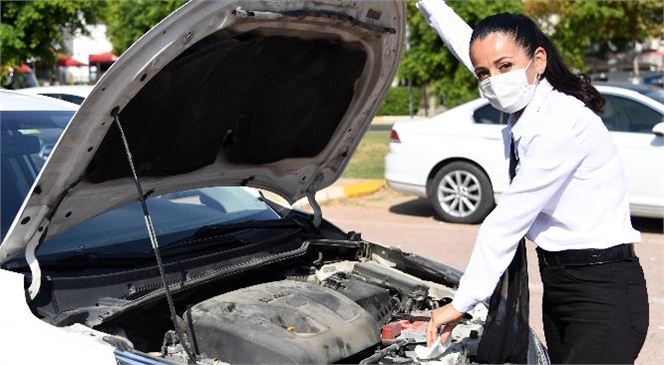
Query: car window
[(66, 97), (657, 95), (27, 138), (14, 185), (621, 114), (489, 115)]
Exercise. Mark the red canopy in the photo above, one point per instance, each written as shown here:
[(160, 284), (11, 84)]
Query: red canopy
[(24, 69), (106, 57), (68, 61)]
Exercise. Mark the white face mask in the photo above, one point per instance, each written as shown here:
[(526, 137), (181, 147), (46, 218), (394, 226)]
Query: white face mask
[(509, 92)]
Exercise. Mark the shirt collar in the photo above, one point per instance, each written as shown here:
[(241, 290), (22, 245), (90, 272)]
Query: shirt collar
[(543, 89)]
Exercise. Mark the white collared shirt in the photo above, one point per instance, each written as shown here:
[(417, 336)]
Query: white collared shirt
[(570, 190)]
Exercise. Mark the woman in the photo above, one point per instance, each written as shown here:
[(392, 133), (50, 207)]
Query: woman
[(569, 195)]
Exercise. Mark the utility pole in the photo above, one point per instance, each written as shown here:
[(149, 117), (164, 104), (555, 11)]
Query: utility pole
[(409, 83)]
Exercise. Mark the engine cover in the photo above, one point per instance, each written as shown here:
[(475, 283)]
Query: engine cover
[(281, 322)]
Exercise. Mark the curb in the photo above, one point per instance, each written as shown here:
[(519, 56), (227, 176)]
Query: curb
[(342, 191), (362, 188)]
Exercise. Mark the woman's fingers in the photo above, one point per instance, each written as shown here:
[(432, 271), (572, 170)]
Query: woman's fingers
[(438, 318), (447, 332), (432, 330), (445, 315)]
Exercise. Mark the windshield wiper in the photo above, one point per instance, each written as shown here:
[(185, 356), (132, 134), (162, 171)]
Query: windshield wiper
[(225, 235), (221, 229)]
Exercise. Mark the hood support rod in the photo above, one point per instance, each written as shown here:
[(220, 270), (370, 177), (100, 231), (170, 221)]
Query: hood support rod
[(311, 197), (153, 239)]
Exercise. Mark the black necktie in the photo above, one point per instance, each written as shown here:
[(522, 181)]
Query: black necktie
[(514, 159), (505, 338)]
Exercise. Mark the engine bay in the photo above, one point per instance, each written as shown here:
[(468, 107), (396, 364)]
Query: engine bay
[(300, 297), (346, 311)]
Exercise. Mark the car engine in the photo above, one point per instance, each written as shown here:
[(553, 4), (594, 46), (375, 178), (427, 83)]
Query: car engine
[(346, 312)]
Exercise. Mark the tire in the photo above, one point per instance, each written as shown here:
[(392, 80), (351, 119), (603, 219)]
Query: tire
[(461, 193)]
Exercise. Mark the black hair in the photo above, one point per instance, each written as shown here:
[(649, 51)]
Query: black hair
[(529, 36)]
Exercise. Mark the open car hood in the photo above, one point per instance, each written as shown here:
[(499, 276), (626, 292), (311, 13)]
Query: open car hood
[(269, 94)]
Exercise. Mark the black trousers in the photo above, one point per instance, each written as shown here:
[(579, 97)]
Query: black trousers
[(596, 314)]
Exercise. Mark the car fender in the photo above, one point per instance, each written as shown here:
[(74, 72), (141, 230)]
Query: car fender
[(33, 341)]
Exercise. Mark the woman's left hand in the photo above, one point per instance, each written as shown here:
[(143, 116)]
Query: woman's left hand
[(447, 316)]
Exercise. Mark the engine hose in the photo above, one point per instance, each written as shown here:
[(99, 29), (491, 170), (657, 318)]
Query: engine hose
[(396, 346)]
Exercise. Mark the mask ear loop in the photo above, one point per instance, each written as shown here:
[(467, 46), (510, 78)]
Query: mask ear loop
[(539, 76)]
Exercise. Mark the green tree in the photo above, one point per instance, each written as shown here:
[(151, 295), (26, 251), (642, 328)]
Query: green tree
[(396, 102), (577, 25), (429, 64), (35, 30), (127, 20), (573, 25)]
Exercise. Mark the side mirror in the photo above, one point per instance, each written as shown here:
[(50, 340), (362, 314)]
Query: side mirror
[(658, 129)]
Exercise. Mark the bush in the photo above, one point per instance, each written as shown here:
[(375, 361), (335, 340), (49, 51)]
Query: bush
[(396, 101)]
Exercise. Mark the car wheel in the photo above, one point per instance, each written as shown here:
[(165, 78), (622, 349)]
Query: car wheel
[(461, 193)]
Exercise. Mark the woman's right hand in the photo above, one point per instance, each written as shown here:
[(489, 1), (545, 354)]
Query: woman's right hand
[(444, 316)]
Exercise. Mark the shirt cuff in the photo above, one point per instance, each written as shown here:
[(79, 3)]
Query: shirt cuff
[(463, 303)]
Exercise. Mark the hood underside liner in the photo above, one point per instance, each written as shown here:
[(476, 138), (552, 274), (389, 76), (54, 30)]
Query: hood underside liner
[(239, 98)]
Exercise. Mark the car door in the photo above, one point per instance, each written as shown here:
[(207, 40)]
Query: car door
[(630, 123)]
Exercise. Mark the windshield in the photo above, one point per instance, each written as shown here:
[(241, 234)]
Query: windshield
[(27, 139), (174, 216)]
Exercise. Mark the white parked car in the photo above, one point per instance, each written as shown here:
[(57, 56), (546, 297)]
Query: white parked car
[(457, 159), (139, 243), (71, 93), (31, 125)]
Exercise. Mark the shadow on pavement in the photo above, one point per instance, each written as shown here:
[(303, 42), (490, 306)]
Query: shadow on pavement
[(419, 207), (648, 225)]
